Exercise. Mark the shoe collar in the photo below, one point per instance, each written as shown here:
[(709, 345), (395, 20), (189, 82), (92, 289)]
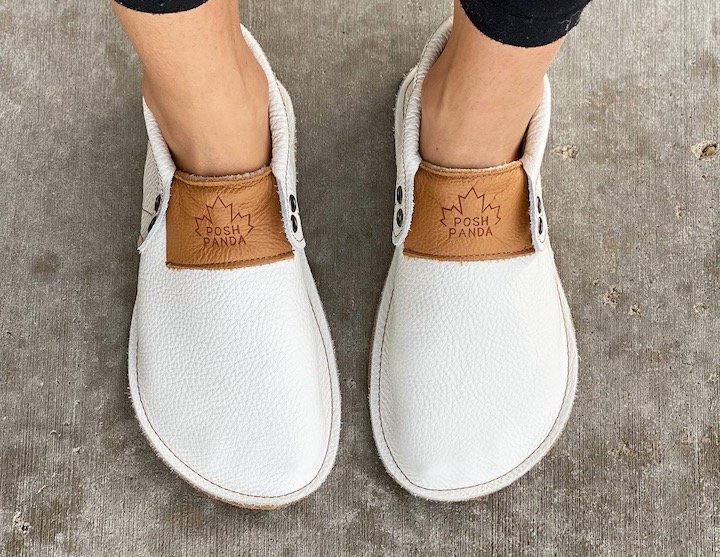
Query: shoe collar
[(282, 130), (409, 152)]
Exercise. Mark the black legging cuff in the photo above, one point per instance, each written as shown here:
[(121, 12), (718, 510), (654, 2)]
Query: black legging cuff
[(516, 22), (525, 23), (161, 6)]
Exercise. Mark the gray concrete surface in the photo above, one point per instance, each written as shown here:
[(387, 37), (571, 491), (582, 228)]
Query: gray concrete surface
[(634, 222)]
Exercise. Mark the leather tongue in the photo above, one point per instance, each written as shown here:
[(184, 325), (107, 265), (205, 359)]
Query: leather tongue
[(224, 223), (470, 215)]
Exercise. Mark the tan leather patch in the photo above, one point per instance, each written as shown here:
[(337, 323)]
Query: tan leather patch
[(470, 215), (224, 223)]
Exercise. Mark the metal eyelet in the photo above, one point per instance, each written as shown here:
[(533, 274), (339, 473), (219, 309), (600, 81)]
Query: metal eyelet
[(294, 223), (152, 223), (399, 195), (540, 225), (539, 205), (399, 217), (158, 199), (293, 203)]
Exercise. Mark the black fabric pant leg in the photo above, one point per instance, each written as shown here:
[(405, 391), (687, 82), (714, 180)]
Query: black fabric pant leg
[(515, 22), (525, 23), (161, 6)]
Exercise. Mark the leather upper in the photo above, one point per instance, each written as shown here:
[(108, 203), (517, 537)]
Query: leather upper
[(233, 373), (473, 368)]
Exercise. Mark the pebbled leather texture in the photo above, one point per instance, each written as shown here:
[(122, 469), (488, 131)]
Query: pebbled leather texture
[(474, 364), (473, 369), (232, 371)]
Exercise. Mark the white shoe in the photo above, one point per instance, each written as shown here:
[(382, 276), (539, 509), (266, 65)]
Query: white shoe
[(231, 365), (474, 363)]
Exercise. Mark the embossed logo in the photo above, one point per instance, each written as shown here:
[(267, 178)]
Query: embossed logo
[(470, 217), (221, 226)]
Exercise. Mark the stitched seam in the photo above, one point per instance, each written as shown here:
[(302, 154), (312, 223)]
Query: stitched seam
[(509, 472), (402, 158), (465, 173), (164, 206), (467, 257), (229, 184), (327, 450), (224, 181), (287, 166), (214, 265)]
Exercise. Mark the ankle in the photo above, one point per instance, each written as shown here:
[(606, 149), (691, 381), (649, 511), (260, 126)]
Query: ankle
[(473, 125), (478, 98), (214, 126)]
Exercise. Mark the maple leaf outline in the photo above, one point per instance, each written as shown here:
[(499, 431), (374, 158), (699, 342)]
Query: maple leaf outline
[(458, 208), (210, 212)]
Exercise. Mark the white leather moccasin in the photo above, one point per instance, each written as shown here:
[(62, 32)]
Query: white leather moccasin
[(474, 363), (231, 365)]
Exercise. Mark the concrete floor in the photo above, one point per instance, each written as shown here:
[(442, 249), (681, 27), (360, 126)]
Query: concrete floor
[(635, 223)]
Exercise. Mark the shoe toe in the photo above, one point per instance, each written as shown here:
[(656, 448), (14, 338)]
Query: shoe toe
[(470, 384), (234, 391)]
